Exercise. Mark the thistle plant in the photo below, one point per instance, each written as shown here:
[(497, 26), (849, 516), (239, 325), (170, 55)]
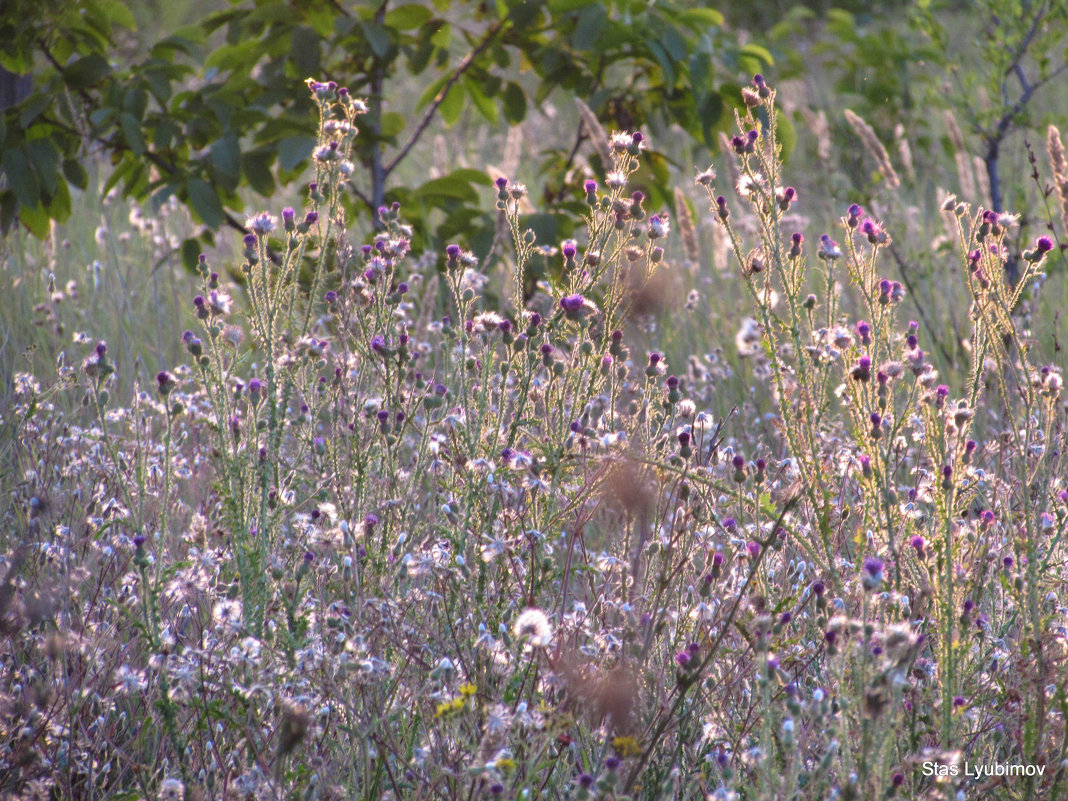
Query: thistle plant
[(387, 534)]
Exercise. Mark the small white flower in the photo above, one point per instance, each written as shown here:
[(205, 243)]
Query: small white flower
[(228, 613), (129, 680)]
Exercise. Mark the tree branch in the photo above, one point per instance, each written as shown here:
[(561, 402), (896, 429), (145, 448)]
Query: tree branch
[(461, 68)]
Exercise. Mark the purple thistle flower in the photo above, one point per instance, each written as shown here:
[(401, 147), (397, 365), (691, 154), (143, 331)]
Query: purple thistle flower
[(873, 573), (572, 303), (829, 249), (721, 208)]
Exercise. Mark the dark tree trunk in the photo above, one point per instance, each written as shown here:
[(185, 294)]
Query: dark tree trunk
[(14, 88)]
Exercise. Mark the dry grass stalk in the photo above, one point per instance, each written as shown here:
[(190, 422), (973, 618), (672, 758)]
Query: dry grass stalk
[(513, 150), (686, 227), (904, 151), (1059, 168), (596, 133), (960, 157), (874, 147)]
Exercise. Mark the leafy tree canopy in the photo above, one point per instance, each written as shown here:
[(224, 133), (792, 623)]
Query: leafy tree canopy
[(220, 105)]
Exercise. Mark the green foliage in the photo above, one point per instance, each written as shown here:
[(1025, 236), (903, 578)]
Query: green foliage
[(217, 107)]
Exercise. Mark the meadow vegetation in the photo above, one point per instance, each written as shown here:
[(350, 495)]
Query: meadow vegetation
[(751, 493)]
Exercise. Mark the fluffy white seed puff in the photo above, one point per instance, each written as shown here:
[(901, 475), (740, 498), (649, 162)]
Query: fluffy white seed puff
[(533, 625)]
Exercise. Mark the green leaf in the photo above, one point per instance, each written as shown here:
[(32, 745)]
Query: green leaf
[(590, 27), (117, 13), (166, 131), (234, 56), (87, 71), (700, 17), (191, 253), (472, 176), (674, 44), (21, 178), (159, 83), (393, 122), (377, 37), (205, 202), (257, 169), (226, 157), (32, 107), (44, 158), (304, 52), (59, 208), (453, 186), (135, 101), (442, 37), (452, 106), (180, 42), (125, 166), (432, 91), (293, 150), (408, 17), (75, 173), (131, 130), (486, 107), (756, 51), (663, 60), (36, 219), (514, 101)]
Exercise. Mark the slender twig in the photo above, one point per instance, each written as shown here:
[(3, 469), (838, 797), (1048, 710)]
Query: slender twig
[(439, 98), (902, 266)]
